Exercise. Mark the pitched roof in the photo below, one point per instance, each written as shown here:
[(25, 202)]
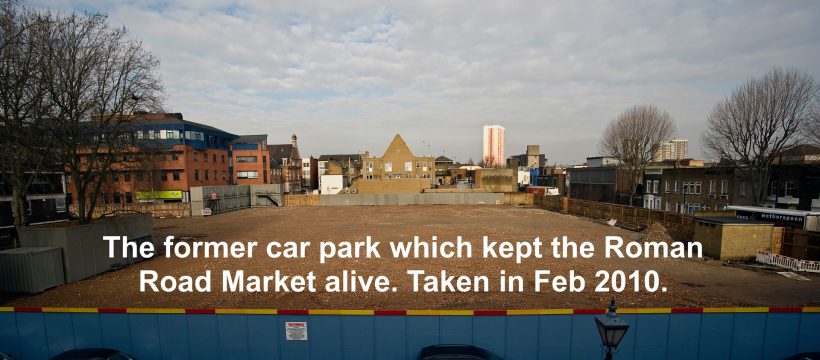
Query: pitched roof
[(441, 159), (250, 139), (341, 157), (280, 151), (398, 145)]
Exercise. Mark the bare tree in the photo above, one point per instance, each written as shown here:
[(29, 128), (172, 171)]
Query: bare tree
[(633, 138), (758, 121), (488, 162), (96, 77), (23, 105)]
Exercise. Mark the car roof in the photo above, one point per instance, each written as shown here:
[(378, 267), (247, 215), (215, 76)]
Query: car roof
[(86, 353)]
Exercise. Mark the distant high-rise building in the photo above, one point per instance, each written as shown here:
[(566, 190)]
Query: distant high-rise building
[(673, 150), (493, 145)]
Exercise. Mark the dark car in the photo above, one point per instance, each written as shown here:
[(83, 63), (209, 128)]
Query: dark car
[(456, 352), (93, 354), (5, 357), (805, 356)]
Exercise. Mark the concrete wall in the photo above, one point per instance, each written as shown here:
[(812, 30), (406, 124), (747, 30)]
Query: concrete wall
[(208, 336), (496, 180), (392, 186), (411, 199), (85, 253)]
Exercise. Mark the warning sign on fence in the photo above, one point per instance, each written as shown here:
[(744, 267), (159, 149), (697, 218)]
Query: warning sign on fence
[(296, 330)]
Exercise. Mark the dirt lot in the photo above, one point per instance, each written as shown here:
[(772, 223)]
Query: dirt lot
[(689, 283)]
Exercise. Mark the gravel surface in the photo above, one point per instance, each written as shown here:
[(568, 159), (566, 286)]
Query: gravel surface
[(689, 282)]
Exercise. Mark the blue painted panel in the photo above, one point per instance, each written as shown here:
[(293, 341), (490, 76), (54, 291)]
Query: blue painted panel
[(325, 337), (87, 331), (8, 334), (144, 336), (781, 335), (32, 336), (554, 336), (586, 343), (264, 340), (522, 337), (809, 338), (684, 336), (422, 331), (116, 333), (456, 329), (488, 332), (747, 336), (715, 336), (390, 337), (651, 334), (233, 336), (294, 349), (626, 349), (173, 336), (203, 335), (357, 337), (59, 333)]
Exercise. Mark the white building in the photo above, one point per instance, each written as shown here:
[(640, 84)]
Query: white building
[(493, 145), (676, 149)]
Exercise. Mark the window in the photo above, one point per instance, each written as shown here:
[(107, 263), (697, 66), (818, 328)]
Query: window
[(116, 198), (196, 175), (128, 198), (206, 172), (724, 187), (666, 189), (176, 175), (223, 159), (175, 156), (115, 176), (677, 187), (388, 166), (246, 159), (697, 187), (655, 186), (742, 186), (408, 166), (196, 156), (790, 188), (170, 134), (126, 176), (214, 158), (162, 157), (368, 167), (247, 175), (711, 187), (216, 175), (164, 176), (205, 157)]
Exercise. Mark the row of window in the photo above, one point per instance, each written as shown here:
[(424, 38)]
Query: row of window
[(167, 134), (695, 187), (399, 176), (388, 166)]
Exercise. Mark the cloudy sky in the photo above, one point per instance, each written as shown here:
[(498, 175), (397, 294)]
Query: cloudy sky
[(345, 76)]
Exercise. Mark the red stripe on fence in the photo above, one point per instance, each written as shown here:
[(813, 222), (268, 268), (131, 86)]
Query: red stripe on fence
[(687, 311), (200, 311), (785, 309), (490, 312), (292, 312), (111, 311), (390, 312), (28, 309), (588, 311)]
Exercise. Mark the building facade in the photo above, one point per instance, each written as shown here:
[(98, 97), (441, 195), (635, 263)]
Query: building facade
[(676, 149), (690, 189), (397, 171), (286, 158), (493, 140), (249, 158), (170, 156), (310, 174)]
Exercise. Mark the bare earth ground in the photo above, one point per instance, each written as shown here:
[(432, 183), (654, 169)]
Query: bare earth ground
[(689, 283)]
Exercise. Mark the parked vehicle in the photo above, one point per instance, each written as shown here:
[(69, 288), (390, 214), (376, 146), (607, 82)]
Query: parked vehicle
[(93, 354), (456, 352), (5, 357)]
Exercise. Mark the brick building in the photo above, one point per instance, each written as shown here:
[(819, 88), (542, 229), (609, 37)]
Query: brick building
[(689, 189), (397, 171), (286, 159), (170, 156), (250, 159)]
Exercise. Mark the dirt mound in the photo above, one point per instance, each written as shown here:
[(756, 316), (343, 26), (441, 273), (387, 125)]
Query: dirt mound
[(657, 233)]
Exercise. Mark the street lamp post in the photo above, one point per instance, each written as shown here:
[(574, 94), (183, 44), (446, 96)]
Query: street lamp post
[(611, 328)]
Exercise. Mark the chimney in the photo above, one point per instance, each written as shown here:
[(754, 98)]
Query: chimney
[(293, 140)]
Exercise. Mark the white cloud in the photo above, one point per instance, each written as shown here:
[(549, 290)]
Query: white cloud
[(346, 75)]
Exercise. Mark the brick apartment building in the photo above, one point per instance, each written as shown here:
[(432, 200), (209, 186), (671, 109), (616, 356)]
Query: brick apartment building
[(171, 156), (689, 189)]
